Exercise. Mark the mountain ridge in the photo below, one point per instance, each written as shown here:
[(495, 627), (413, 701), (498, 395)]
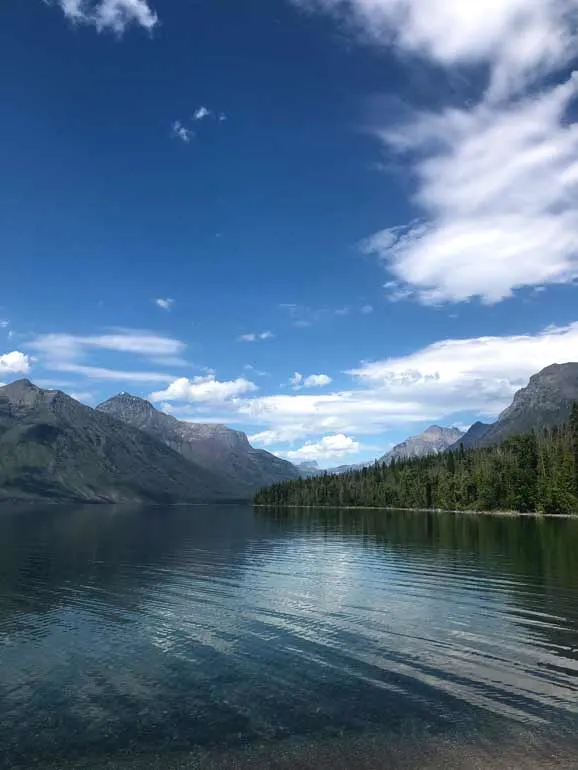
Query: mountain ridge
[(432, 440), (54, 447), (544, 402), (219, 449)]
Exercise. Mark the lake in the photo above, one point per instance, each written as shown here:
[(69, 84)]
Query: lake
[(227, 637)]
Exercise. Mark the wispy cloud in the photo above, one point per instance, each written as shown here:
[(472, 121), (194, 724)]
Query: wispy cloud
[(14, 362), (304, 316), (165, 303), (205, 113), (141, 343), (515, 41), (202, 113), (114, 15), (496, 179), (69, 353), (85, 396), (498, 186), (299, 381), (256, 336), (4, 323), (182, 132), (185, 133), (113, 375), (253, 370)]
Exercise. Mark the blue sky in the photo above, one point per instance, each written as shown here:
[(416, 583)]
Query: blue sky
[(328, 224)]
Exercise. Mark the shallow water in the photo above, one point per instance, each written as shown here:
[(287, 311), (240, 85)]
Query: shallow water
[(221, 637)]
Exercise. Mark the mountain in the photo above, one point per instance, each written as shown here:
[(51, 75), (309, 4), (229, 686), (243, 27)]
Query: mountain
[(472, 436), (220, 450), (53, 447), (346, 468), (546, 401), (432, 441), (309, 468)]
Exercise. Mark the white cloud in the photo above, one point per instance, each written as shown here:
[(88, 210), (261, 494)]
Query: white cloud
[(165, 303), (279, 435), (114, 375), (477, 376), (67, 346), (181, 132), (363, 410), (255, 336), (202, 113), (14, 362), (298, 381), (317, 380), (367, 309), (496, 181), (499, 187), (328, 448), (67, 353), (115, 15), (204, 389), (84, 396), (516, 40), (4, 323)]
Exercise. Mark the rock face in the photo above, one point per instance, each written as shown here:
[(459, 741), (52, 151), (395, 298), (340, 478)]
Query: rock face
[(53, 447), (472, 436), (432, 441), (309, 468), (546, 401), (221, 451)]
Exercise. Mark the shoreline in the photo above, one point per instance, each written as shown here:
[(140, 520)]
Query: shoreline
[(512, 514)]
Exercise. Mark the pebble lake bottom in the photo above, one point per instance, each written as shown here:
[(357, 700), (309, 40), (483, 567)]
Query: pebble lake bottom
[(225, 637)]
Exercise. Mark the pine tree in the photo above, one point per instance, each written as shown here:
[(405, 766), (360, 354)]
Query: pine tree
[(525, 473), (574, 439)]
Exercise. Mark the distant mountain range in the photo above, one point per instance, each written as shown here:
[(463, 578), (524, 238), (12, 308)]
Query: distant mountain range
[(54, 448), (433, 440), (544, 402)]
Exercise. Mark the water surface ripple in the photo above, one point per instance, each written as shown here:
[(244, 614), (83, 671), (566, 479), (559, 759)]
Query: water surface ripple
[(140, 633)]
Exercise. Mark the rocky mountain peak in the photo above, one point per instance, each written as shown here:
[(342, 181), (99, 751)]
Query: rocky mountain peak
[(546, 389), (20, 387), (126, 402), (433, 440), (211, 445), (545, 401), (23, 394)]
